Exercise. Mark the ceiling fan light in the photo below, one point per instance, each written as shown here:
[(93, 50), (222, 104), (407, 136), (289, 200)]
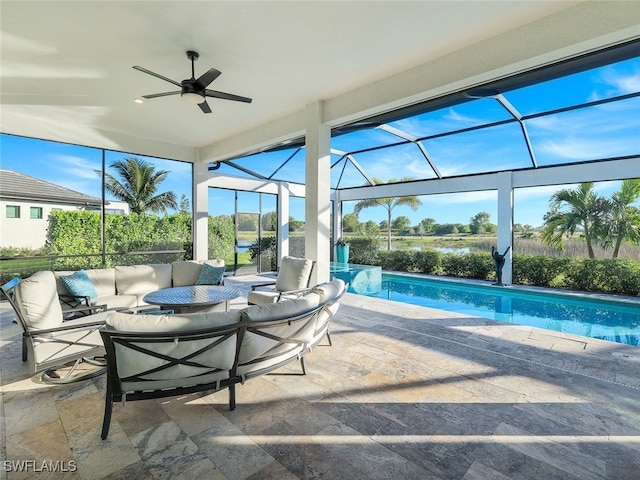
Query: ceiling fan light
[(192, 98)]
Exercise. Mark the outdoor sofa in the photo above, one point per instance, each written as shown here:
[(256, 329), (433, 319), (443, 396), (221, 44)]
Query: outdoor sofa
[(154, 356), (125, 286), (61, 326)]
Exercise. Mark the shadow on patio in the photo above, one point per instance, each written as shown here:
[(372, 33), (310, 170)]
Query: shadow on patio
[(405, 392)]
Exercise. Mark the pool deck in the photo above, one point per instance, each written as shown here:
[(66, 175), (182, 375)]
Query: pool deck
[(405, 392)]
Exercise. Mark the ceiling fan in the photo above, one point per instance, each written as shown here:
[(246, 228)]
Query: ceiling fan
[(194, 90)]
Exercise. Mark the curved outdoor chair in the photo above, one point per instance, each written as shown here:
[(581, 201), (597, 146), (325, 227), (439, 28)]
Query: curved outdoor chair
[(48, 342), (293, 279)]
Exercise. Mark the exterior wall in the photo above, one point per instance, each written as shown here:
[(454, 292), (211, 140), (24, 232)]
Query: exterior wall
[(26, 232)]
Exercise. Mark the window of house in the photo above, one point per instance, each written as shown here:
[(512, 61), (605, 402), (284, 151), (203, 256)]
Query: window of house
[(36, 212), (13, 211)]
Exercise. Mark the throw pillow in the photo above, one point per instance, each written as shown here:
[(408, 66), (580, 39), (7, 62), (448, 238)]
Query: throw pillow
[(210, 275), (79, 284)]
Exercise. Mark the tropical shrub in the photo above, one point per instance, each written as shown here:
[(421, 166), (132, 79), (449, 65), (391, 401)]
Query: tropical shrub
[(398, 260), (429, 261), (364, 250), (221, 236), (538, 270), (455, 265)]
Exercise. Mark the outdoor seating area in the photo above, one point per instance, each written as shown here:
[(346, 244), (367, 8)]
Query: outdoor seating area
[(56, 331), (315, 152), (404, 392)]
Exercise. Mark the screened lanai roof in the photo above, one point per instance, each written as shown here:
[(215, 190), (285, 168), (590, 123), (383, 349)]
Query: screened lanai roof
[(583, 110)]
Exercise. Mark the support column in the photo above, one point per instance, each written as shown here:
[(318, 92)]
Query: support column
[(200, 211), (283, 220), (337, 220), (505, 223), (318, 165)]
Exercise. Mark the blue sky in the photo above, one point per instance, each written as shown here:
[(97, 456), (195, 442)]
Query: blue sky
[(73, 167)]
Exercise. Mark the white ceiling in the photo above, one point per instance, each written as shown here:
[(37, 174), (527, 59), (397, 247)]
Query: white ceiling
[(66, 66)]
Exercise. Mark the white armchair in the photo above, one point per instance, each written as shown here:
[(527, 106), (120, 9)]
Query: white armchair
[(293, 278), (48, 342)]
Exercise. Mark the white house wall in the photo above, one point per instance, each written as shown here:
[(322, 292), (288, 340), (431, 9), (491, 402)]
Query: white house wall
[(26, 232)]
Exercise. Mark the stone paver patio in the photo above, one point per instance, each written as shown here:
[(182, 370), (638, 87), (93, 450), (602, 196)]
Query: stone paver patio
[(405, 392)]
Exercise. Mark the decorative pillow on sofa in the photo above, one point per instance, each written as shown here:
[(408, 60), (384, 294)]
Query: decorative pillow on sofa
[(210, 275), (79, 284)]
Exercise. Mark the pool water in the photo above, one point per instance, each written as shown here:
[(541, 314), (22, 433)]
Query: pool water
[(589, 317)]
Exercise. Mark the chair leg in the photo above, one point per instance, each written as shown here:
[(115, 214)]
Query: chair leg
[(329, 338), (304, 369), (51, 375), (24, 349), (232, 396), (108, 408)]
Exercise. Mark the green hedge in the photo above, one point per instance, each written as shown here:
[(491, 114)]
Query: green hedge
[(78, 233)]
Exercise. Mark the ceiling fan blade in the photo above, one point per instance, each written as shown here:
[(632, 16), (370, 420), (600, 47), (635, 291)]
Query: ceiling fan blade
[(156, 95), (226, 96), (204, 106), (208, 77), (157, 75)]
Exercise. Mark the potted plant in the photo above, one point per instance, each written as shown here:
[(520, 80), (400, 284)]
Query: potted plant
[(342, 251)]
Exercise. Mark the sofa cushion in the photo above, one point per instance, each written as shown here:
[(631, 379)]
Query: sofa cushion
[(140, 279), (256, 345), (131, 362), (186, 272), (116, 301), (129, 322), (284, 309), (259, 297), (79, 284), (329, 290), (294, 273), (102, 279), (210, 275), (37, 299)]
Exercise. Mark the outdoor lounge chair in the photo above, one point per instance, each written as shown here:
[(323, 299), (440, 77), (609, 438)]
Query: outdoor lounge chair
[(49, 343), (293, 278)]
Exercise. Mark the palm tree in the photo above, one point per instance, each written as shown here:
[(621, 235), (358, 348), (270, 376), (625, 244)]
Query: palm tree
[(139, 184), (585, 210), (389, 203), (625, 217)]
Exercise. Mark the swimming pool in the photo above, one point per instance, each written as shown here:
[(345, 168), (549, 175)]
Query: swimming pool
[(589, 317)]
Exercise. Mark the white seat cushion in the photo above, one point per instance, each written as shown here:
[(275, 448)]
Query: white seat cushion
[(255, 345), (141, 279), (132, 362), (260, 297), (186, 272), (294, 274), (37, 299)]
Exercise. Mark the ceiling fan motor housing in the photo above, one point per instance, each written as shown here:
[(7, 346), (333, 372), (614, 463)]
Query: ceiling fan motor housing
[(192, 91)]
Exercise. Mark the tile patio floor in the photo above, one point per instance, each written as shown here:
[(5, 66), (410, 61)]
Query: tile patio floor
[(405, 393)]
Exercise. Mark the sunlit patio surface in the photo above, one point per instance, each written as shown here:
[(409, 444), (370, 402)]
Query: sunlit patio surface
[(405, 392)]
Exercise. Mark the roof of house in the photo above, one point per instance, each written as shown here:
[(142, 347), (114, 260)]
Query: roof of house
[(18, 186)]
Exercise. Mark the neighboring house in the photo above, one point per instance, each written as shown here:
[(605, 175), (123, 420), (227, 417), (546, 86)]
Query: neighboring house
[(25, 204)]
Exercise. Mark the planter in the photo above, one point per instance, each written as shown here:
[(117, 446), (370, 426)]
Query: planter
[(342, 252)]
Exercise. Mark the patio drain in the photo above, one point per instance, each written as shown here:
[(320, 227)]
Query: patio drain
[(626, 356)]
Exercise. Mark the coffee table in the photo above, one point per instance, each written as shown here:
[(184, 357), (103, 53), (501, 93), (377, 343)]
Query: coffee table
[(196, 298)]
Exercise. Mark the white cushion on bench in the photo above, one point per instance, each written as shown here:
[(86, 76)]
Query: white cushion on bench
[(131, 362), (186, 272), (142, 279), (103, 280), (37, 299)]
